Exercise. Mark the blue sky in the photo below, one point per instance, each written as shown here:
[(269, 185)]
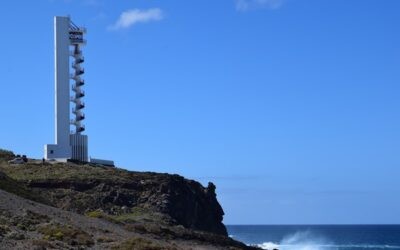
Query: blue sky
[(291, 107)]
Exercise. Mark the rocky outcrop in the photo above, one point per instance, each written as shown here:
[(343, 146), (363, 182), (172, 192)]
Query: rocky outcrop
[(70, 206), (26, 224), (201, 208), (84, 188)]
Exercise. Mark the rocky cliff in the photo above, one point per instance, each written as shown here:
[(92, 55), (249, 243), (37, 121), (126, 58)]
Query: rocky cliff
[(142, 209), (84, 188)]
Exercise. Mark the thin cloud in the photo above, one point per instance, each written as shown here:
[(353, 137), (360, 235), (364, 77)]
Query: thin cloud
[(131, 17), (245, 5)]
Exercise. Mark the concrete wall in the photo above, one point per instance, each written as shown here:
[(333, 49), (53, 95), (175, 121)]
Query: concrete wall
[(61, 150), (62, 91), (79, 146)]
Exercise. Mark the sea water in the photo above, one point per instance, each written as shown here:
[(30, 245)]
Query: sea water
[(321, 237)]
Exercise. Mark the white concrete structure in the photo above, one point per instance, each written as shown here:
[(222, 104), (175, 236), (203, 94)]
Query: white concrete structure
[(79, 147), (68, 145), (102, 162)]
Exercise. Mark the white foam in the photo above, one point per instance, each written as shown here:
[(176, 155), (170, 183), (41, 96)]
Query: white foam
[(271, 246), (303, 241), (309, 241), (268, 246)]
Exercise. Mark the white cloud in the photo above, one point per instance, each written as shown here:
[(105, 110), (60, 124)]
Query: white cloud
[(131, 17), (245, 5)]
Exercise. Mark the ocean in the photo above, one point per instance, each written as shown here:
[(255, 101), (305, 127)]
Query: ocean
[(321, 237)]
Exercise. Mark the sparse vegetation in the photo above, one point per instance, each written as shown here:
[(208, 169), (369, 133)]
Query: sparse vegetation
[(105, 240), (101, 215), (60, 171), (30, 220), (96, 214), (42, 244), (16, 188), (16, 236), (6, 155), (138, 243), (4, 229), (139, 214), (67, 234)]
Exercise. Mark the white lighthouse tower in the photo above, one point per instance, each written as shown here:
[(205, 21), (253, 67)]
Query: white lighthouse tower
[(68, 42)]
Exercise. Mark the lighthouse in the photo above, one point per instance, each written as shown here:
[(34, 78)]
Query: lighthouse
[(69, 83)]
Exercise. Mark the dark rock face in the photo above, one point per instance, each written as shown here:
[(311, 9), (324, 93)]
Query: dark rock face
[(190, 204), (183, 202), (26, 224)]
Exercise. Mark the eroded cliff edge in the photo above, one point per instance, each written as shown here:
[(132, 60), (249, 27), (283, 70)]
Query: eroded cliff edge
[(141, 210), (84, 189)]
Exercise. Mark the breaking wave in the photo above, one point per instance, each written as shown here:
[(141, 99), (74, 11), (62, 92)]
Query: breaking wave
[(272, 246), (307, 241)]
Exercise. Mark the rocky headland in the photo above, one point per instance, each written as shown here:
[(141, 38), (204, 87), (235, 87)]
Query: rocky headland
[(81, 206)]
